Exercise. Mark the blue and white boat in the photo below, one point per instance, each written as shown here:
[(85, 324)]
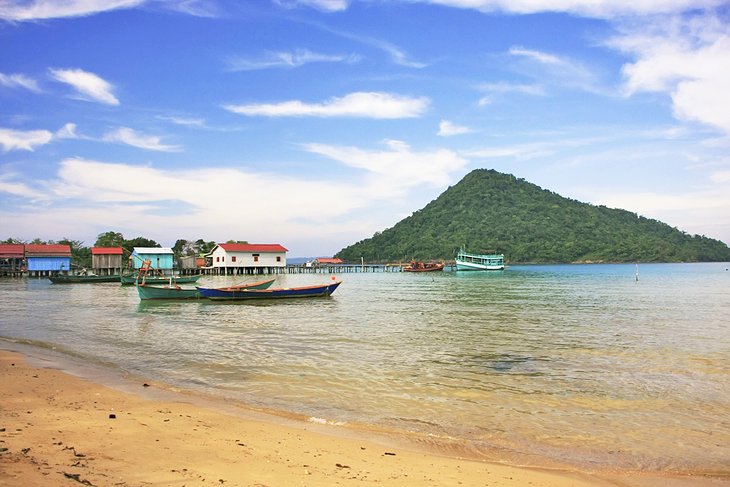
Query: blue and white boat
[(228, 294), (466, 261)]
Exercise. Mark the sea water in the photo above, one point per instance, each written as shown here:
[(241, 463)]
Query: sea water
[(599, 366)]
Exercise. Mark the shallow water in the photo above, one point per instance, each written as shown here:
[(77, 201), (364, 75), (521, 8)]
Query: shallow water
[(577, 364)]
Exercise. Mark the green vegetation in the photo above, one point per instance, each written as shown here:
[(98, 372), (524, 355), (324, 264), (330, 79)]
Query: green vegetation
[(491, 211)]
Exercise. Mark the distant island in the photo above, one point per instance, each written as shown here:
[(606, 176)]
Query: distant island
[(489, 211)]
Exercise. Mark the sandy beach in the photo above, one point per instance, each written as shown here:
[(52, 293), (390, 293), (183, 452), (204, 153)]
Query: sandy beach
[(59, 429)]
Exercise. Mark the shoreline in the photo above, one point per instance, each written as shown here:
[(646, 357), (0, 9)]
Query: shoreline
[(61, 428)]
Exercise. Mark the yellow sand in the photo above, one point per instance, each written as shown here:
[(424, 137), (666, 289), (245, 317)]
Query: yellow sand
[(60, 430)]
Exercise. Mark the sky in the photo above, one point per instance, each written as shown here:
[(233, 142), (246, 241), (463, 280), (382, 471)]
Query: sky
[(316, 123)]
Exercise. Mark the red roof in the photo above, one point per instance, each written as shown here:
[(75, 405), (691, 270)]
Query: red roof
[(106, 251), (11, 251), (42, 250), (327, 260), (262, 248)]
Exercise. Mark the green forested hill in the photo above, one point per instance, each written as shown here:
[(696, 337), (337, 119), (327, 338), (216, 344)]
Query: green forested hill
[(488, 210)]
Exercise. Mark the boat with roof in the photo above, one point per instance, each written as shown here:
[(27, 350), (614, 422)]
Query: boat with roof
[(466, 261)]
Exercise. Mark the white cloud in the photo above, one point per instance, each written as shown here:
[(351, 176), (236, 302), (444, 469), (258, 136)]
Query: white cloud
[(720, 177), (23, 140), (559, 71), (360, 104), (702, 211), (89, 86), (503, 88), (196, 8), (185, 121), (586, 8), (398, 168), (207, 200), (323, 5), (68, 131), (283, 59), (447, 129), (131, 137), (19, 81), (19, 189), (687, 58), (22, 10)]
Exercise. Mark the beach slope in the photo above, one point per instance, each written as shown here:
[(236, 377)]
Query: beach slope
[(59, 429)]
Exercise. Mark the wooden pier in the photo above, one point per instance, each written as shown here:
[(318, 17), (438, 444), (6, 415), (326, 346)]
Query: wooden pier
[(294, 269)]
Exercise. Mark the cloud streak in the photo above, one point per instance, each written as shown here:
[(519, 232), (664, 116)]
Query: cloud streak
[(360, 104), (287, 60), (126, 135), (448, 129), (19, 81), (583, 8), (21, 11), (88, 86), (23, 140)]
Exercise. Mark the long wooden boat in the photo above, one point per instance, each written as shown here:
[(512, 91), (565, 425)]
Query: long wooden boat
[(77, 279), (424, 267), (466, 261), (174, 291), (132, 279), (276, 293)]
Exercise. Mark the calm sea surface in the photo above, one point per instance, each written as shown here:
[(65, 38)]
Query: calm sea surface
[(578, 364)]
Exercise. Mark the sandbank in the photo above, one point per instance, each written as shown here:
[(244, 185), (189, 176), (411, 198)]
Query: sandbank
[(64, 430)]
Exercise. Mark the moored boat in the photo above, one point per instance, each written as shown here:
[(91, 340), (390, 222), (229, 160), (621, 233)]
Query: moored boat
[(77, 279), (173, 291), (224, 294), (132, 279), (424, 267), (466, 261)]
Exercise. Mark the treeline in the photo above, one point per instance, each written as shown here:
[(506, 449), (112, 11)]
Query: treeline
[(81, 254), (490, 211)]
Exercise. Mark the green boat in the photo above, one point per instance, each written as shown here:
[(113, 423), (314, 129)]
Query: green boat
[(78, 279), (174, 291), (466, 261), (132, 279)]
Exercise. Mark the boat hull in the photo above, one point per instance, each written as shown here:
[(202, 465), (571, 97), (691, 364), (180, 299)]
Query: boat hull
[(479, 262), (277, 293), (471, 266), (147, 291), (132, 280), (157, 292), (83, 279)]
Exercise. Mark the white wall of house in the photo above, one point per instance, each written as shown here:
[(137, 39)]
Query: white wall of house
[(223, 258)]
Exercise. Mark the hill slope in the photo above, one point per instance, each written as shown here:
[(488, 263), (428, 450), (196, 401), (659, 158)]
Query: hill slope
[(488, 210)]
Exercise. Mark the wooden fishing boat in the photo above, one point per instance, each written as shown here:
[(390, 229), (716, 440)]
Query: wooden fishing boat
[(173, 291), (276, 293), (424, 267), (77, 279), (466, 261), (131, 280)]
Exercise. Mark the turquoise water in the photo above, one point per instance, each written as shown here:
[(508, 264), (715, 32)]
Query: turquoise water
[(571, 364)]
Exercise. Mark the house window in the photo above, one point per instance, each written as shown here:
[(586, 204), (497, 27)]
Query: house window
[(233, 258), (278, 258), (218, 259), (255, 257)]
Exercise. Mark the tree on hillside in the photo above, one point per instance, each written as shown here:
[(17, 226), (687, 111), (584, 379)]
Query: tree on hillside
[(488, 210)]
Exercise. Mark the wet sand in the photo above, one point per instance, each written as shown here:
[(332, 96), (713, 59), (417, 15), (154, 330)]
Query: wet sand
[(59, 429)]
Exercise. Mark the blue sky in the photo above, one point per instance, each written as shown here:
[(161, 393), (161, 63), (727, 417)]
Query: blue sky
[(316, 123)]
